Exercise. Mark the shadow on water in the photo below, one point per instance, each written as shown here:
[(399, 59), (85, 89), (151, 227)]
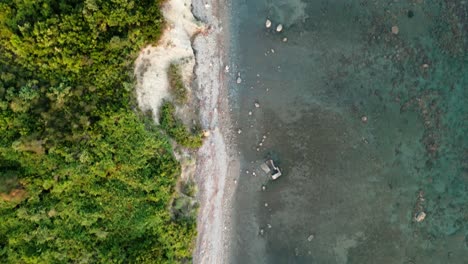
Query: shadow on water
[(369, 127)]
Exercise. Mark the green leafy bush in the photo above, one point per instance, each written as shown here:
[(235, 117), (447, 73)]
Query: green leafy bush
[(189, 188), (176, 129), (185, 209), (176, 84)]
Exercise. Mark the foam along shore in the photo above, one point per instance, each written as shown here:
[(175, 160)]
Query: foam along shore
[(177, 44)]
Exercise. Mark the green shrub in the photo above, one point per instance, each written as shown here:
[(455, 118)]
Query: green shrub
[(176, 129), (176, 84), (184, 209), (189, 188)]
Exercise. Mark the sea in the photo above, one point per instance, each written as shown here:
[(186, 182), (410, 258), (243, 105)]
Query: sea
[(363, 106)]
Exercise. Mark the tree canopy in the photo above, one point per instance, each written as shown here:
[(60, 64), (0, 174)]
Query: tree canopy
[(85, 177)]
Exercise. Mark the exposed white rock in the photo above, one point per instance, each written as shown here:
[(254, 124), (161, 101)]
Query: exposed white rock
[(174, 45), (420, 217), (267, 23), (279, 28)]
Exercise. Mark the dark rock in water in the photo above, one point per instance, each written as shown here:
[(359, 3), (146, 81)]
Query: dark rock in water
[(410, 13)]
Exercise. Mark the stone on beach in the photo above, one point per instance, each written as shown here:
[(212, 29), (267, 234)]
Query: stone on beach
[(310, 238), (206, 133), (267, 23), (257, 105), (239, 80)]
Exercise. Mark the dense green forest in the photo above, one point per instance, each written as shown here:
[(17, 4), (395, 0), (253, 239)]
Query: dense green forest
[(84, 177)]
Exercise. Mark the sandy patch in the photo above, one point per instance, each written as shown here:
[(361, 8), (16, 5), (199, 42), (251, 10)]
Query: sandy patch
[(174, 46)]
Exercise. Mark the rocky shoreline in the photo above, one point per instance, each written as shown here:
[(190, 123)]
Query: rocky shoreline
[(217, 164), (195, 38)]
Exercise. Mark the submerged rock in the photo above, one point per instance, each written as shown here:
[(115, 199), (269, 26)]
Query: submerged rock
[(364, 119), (395, 30), (279, 28), (420, 217), (265, 168)]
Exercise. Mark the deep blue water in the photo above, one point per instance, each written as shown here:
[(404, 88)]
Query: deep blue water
[(351, 189)]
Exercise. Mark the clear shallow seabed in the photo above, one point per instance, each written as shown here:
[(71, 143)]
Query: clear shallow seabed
[(351, 188)]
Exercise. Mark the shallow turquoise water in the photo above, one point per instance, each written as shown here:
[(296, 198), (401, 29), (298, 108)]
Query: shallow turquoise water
[(351, 189)]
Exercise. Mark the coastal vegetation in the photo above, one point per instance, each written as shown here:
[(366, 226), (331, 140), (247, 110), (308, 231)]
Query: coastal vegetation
[(176, 84), (84, 176), (176, 129)]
